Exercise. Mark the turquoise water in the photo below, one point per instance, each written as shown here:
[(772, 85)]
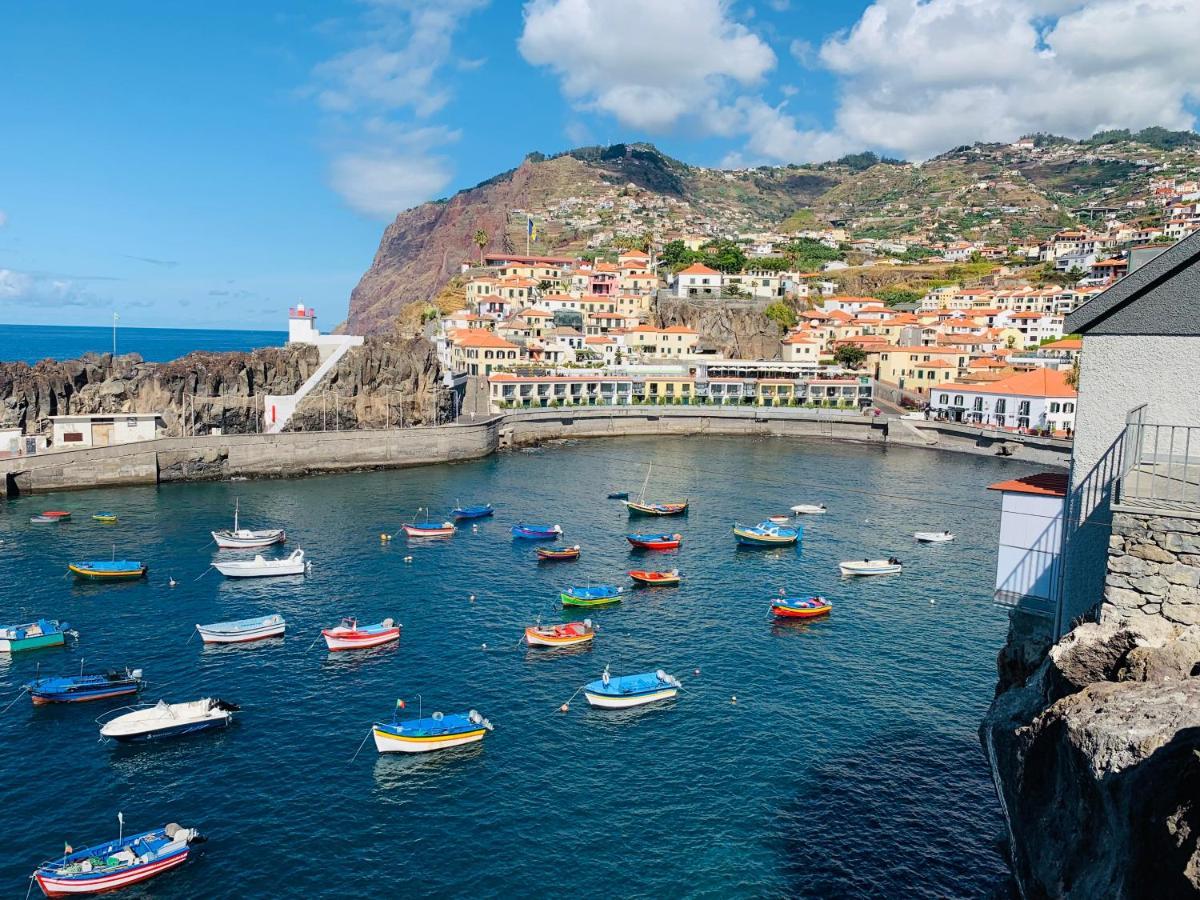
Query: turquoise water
[(848, 766), (32, 343)]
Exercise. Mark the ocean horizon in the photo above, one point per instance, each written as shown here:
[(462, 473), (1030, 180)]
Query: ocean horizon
[(34, 343)]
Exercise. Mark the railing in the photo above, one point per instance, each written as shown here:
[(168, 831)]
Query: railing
[(1161, 464)]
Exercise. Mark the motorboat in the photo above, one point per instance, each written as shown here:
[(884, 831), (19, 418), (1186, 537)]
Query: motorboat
[(595, 595), (779, 520), (243, 631), (264, 568), (238, 538), (537, 532), (472, 512), (766, 534), (933, 537), (656, 578), (549, 554), (570, 634), (117, 864), (109, 569), (809, 509), (890, 566), (167, 720), (655, 541), (438, 731), (82, 688), (51, 515), (33, 635), (624, 691), (349, 635), (800, 608)]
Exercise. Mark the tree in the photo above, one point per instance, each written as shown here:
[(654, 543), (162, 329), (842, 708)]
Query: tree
[(1072, 377), (725, 256), (892, 296), (781, 314), (675, 255), (850, 356), (481, 240)]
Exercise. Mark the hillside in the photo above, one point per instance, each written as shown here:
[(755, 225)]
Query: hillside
[(600, 198)]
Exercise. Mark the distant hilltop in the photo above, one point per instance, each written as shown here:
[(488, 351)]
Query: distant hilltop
[(601, 199)]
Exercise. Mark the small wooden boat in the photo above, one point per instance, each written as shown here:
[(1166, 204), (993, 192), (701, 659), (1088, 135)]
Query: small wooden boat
[(238, 538), (83, 688), (550, 554), (264, 568), (436, 732), (116, 864), (779, 520), (472, 512), (933, 537), (352, 636), (624, 691), (809, 509), (243, 631), (656, 578), (34, 635), (797, 608), (595, 595), (109, 569), (569, 635), (428, 529), (619, 495), (536, 532), (655, 541), (641, 507), (51, 515), (167, 720), (105, 518), (766, 534), (890, 566)]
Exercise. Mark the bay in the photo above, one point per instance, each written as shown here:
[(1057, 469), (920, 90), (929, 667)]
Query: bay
[(33, 343)]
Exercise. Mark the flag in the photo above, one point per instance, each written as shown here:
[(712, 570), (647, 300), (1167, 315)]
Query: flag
[(68, 849), (399, 704), (531, 229), (121, 818)]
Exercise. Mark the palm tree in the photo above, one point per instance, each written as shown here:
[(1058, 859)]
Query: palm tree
[(481, 240)]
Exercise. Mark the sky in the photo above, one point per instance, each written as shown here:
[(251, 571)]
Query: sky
[(208, 165)]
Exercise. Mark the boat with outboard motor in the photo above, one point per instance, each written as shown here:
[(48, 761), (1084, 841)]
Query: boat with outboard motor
[(34, 635), (933, 537), (624, 691), (81, 688), (109, 569), (259, 567), (550, 554), (472, 512), (889, 566), (809, 509), (529, 532), (238, 538), (438, 731), (766, 534), (655, 541), (595, 595), (800, 608), (117, 864), (167, 720), (243, 631), (570, 634), (349, 635), (656, 578)]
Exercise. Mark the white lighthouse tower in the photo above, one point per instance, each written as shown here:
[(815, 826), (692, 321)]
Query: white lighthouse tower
[(302, 325)]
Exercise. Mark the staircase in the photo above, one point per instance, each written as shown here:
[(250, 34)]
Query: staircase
[(279, 408)]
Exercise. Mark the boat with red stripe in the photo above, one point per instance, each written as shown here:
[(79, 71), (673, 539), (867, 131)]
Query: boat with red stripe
[(352, 636), (116, 864)]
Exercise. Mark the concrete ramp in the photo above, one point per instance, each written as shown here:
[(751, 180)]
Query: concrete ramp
[(279, 408)]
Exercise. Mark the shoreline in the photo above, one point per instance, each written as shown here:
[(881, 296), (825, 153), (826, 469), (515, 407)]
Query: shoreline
[(305, 453)]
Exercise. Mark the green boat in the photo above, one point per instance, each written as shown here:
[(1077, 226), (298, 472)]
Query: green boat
[(600, 595), (35, 635)]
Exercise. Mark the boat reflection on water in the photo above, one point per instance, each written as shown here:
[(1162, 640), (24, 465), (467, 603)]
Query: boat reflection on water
[(336, 661), (419, 770), (539, 654)]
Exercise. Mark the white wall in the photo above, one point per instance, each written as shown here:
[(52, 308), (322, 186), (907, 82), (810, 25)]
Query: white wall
[(1027, 563)]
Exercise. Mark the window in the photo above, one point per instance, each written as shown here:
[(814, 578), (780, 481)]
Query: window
[(1055, 407), (1069, 407), (958, 400), (945, 399), (1001, 406), (978, 404), (1023, 408)]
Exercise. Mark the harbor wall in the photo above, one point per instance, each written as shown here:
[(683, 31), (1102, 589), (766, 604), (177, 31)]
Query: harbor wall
[(292, 454)]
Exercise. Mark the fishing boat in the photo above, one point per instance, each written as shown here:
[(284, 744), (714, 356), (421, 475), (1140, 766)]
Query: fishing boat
[(472, 512), (167, 720), (428, 529), (83, 688), (656, 578), (800, 608), (51, 515), (105, 518), (264, 568), (436, 732), (890, 566), (779, 520), (641, 507), (238, 538), (624, 691), (550, 554), (242, 631), (766, 534), (569, 635), (33, 636), (933, 537), (595, 595), (655, 541), (109, 569), (116, 864), (352, 636), (619, 495), (536, 532), (809, 509)]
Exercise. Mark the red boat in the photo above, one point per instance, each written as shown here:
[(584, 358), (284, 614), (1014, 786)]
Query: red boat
[(564, 553), (663, 578), (655, 541), (794, 608)]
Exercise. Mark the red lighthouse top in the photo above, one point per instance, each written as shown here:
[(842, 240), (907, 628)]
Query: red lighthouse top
[(300, 311)]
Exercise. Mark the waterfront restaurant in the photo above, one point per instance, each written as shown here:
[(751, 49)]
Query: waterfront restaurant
[(509, 391)]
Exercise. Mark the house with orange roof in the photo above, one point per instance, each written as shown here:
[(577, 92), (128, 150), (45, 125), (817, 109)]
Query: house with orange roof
[(1036, 400), (640, 257), (918, 369), (698, 280), (478, 351), (638, 283), (848, 304), (800, 347)]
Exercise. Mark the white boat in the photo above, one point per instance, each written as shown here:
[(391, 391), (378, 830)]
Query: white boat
[(624, 691), (809, 509), (237, 538), (243, 630), (351, 636), (871, 567), (262, 568), (165, 720), (933, 537)]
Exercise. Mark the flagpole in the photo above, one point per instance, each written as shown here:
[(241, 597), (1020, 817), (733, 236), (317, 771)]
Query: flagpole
[(115, 317)]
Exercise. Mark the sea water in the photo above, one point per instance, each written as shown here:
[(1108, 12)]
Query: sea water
[(33, 343)]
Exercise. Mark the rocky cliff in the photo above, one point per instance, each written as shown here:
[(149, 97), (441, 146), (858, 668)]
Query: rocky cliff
[(737, 330), (224, 390)]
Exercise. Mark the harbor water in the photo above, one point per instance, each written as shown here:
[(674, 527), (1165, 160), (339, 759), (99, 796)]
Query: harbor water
[(848, 765)]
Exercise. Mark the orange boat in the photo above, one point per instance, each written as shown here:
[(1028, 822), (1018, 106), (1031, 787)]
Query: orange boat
[(795, 608), (564, 553), (567, 635), (663, 578)]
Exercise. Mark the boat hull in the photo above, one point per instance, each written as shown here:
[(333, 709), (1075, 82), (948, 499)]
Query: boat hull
[(923, 537), (783, 611), (646, 578), (241, 637), (53, 886), (340, 642), (82, 571), (534, 638), (16, 645), (611, 701), (413, 532), (227, 542), (753, 540), (45, 698), (182, 729), (386, 742), (536, 534), (468, 513), (861, 572), (668, 544), (659, 509), (587, 602)]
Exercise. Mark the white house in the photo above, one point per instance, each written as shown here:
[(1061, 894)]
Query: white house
[(1028, 563), (698, 280), (1037, 399), (102, 429)]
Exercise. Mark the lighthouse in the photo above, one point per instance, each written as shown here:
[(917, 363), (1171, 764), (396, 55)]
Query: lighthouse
[(302, 325)]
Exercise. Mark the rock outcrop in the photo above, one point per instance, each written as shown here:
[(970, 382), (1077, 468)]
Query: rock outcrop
[(1096, 755), (737, 329)]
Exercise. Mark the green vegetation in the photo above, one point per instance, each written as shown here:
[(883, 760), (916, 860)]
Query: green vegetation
[(898, 294), (724, 256), (781, 314), (850, 356)]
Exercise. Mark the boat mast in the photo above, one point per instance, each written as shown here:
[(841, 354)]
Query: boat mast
[(235, 514), (645, 484)]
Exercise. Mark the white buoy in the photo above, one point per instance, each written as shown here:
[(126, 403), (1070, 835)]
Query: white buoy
[(408, 559), (171, 582), (697, 671), (565, 707), (483, 646), (734, 699)]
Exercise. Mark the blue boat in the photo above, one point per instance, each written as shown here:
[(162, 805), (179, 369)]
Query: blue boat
[(116, 864), (593, 595), (536, 532), (436, 732), (109, 569), (766, 534), (82, 688), (472, 512), (623, 691)]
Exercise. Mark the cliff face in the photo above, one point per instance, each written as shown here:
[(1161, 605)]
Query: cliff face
[(737, 330), (225, 390)]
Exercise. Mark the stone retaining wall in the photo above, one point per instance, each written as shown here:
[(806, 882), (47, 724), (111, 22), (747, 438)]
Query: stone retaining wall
[(1153, 568)]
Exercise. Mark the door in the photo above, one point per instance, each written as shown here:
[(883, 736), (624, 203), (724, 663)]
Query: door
[(101, 434)]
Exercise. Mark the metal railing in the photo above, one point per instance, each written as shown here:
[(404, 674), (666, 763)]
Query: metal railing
[(1160, 464)]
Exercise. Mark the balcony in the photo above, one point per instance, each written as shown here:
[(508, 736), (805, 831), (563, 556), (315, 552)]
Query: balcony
[(1160, 470)]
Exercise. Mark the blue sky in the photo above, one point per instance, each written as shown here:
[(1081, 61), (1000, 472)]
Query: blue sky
[(208, 165)]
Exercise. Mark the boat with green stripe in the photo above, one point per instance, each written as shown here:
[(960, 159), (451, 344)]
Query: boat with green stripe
[(33, 636)]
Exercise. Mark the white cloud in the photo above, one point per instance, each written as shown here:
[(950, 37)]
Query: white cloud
[(803, 52), (382, 184), (649, 65), (41, 290)]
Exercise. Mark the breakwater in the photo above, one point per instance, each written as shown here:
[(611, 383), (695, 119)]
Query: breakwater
[(291, 454)]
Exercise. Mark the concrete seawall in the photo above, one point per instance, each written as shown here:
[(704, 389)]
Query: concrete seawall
[(217, 457)]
